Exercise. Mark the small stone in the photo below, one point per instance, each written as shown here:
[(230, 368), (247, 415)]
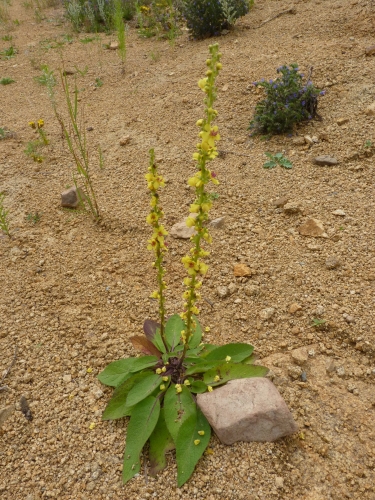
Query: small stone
[(299, 141), (249, 409), (267, 313), (314, 228), (320, 310), (241, 270), (323, 136), (90, 486), (232, 288), (339, 212), (300, 356), (315, 139), (280, 202), (294, 308), (370, 110), (340, 370), (325, 160), (222, 291), (113, 45), (370, 51), (97, 393), (342, 121), (68, 72), (308, 140), (292, 208), (294, 372), (70, 198), (314, 248), (348, 318), (182, 231), (330, 366), (218, 223), (252, 290), (279, 482), (5, 413), (67, 379), (125, 140), (332, 262)]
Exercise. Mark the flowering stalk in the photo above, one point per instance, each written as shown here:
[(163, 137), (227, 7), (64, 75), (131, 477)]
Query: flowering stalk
[(157, 243), (206, 151)]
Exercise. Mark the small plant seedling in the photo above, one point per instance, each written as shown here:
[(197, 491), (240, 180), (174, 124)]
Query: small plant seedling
[(98, 82), (33, 218), (88, 39), (6, 81), (277, 159), (155, 56), (47, 78), (8, 53), (214, 196), (319, 324), (82, 72), (368, 144), (7, 38), (4, 224)]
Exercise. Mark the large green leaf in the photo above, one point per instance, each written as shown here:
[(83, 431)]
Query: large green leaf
[(143, 388), (173, 329), (158, 341), (116, 372), (160, 442), (143, 362), (202, 366), (178, 407), (198, 387), (231, 371), (237, 352), (142, 422), (190, 444), (117, 406)]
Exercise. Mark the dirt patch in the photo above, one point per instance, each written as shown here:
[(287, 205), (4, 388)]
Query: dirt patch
[(72, 292)]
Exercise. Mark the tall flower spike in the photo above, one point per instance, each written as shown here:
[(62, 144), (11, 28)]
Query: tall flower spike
[(157, 241), (206, 151)]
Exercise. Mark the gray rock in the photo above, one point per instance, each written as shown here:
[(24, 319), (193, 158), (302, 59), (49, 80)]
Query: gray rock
[(70, 198), (181, 231), (222, 291), (325, 160), (339, 212), (267, 313), (280, 202), (217, 223), (232, 288), (314, 228), (249, 409), (332, 262)]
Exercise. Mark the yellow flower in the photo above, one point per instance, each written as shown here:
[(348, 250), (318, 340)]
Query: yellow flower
[(154, 295), (40, 123), (158, 371), (92, 426), (203, 267), (209, 388), (165, 379), (207, 329), (178, 388), (197, 441), (202, 83), (163, 370), (190, 222), (186, 382), (217, 378), (194, 208), (227, 359), (162, 387), (151, 218), (201, 433), (89, 370), (32, 124)]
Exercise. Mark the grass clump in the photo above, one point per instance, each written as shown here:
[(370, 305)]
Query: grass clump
[(277, 159), (288, 101), (206, 18), (6, 81), (158, 389)]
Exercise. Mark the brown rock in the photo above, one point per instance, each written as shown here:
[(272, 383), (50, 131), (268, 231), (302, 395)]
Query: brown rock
[(240, 270), (325, 160), (71, 198), (125, 140), (249, 409), (370, 51), (332, 262), (312, 227), (300, 356), (299, 141), (280, 202), (113, 45), (292, 208), (294, 308), (342, 121), (370, 110)]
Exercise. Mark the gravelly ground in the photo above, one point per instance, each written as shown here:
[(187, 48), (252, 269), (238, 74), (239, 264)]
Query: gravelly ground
[(73, 292)]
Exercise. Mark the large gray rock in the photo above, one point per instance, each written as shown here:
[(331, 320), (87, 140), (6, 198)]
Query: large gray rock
[(249, 409)]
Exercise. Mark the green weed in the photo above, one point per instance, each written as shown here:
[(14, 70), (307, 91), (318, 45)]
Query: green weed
[(277, 159), (4, 223), (6, 81)]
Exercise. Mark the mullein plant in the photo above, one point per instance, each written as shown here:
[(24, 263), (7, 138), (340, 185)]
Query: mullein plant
[(158, 389)]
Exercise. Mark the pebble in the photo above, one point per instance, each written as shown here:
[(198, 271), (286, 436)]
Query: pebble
[(279, 482), (339, 212), (113, 45), (232, 288), (370, 110), (370, 51), (299, 141), (67, 379), (342, 121), (181, 231), (252, 290), (125, 140), (300, 356), (332, 262), (280, 202), (241, 270), (292, 208), (308, 140), (267, 313), (294, 308), (348, 318), (314, 228), (325, 160), (217, 223), (70, 197), (222, 291)]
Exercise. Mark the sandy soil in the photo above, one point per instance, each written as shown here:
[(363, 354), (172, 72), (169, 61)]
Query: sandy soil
[(72, 292)]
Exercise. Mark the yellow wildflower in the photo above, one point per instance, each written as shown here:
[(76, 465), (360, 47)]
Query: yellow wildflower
[(158, 371), (178, 388), (202, 84), (209, 388), (89, 370), (190, 222), (197, 441), (92, 426), (186, 382), (165, 379), (201, 433), (207, 329), (227, 359), (32, 124), (217, 378), (40, 123), (162, 387)]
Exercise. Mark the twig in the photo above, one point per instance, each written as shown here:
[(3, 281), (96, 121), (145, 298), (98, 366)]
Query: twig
[(7, 371), (291, 10)]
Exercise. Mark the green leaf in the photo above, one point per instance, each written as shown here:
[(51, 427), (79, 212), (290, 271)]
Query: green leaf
[(198, 387), (232, 371), (203, 366), (142, 422), (160, 442), (117, 372), (190, 445), (196, 337), (143, 362), (286, 163), (173, 329), (143, 388), (279, 156), (177, 408), (269, 155), (158, 341), (269, 164), (117, 406), (237, 352)]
